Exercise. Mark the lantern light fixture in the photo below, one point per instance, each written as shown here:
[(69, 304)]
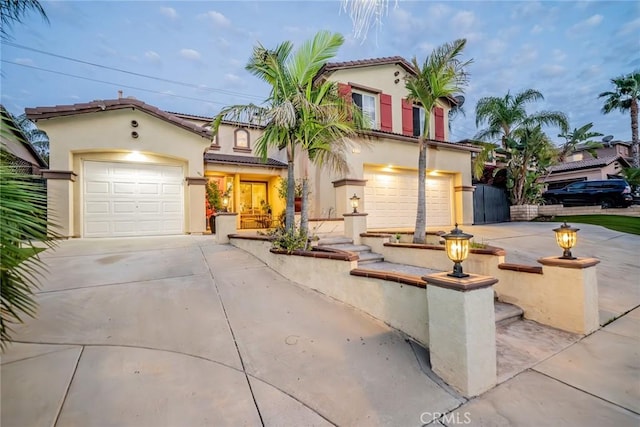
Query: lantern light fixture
[(225, 203), (457, 247), (355, 201), (566, 237)]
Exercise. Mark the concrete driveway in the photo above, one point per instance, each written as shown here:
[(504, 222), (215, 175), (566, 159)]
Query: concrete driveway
[(178, 331)]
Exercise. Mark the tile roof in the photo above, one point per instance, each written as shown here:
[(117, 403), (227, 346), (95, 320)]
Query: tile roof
[(461, 145), (585, 164), (242, 160), (331, 66), (41, 113)]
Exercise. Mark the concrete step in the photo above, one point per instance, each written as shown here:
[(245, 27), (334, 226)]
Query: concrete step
[(348, 247), (368, 257), (507, 313), (334, 240)]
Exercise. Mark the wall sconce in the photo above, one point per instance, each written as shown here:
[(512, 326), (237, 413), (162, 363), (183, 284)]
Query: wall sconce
[(566, 237), (457, 247), (354, 202), (225, 203), (134, 135), (134, 124)]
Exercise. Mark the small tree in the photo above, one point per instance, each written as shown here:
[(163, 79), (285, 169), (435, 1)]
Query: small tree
[(579, 136)]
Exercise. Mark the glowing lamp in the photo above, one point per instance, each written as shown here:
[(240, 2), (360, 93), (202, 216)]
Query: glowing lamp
[(355, 200), (225, 203), (566, 237), (457, 247)]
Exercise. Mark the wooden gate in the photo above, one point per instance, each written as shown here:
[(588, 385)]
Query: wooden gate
[(490, 205)]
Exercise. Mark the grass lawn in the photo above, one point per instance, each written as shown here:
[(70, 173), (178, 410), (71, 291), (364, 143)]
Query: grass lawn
[(625, 224)]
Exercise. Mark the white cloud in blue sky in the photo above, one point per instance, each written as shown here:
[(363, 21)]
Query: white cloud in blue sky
[(567, 50)]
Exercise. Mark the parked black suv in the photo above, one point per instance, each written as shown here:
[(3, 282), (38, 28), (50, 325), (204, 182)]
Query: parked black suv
[(608, 194)]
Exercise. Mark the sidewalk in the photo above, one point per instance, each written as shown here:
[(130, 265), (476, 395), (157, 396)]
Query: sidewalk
[(178, 331)]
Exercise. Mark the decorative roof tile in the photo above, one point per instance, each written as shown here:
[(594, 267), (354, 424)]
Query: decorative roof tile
[(41, 113), (585, 164)]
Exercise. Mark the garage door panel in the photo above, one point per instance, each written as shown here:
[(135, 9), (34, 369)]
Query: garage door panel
[(132, 199), (392, 199)]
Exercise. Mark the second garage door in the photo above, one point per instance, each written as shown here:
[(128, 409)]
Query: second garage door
[(131, 199), (392, 198)]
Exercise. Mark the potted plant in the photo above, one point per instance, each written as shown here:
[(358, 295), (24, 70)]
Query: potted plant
[(282, 192), (397, 237)]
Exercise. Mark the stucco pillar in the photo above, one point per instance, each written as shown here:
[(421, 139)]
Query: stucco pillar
[(344, 190), (60, 202), (225, 225), (354, 225), (464, 204), (571, 297), (462, 331), (196, 210)]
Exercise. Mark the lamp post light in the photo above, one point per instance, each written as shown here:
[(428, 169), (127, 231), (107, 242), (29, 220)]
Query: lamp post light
[(566, 237), (354, 202), (457, 247), (225, 203)]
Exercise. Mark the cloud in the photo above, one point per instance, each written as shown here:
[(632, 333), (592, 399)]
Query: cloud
[(463, 20), (232, 78), (526, 9), (216, 18), (169, 12), (630, 27), (24, 61), (590, 22), (558, 55), (552, 70), (536, 29), (526, 54), (438, 11), (152, 57), (190, 54)]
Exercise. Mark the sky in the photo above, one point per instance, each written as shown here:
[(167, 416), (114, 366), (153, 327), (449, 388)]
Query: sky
[(189, 56)]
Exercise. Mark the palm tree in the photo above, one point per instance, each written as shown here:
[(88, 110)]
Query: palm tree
[(581, 135), (291, 78), (625, 98), (441, 75), (14, 11), (506, 114)]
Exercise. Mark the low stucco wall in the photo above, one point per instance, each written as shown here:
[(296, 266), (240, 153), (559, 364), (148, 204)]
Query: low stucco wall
[(401, 306)]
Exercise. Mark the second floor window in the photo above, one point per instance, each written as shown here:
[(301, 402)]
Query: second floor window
[(367, 104), (242, 139), (418, 121)]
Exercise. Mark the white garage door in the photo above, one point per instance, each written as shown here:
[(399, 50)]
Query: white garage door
[(131, 199), (392, 199)]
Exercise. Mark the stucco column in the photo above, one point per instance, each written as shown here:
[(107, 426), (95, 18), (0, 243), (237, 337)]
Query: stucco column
[(462, 331), (354, 225), (344, 190), (571, 297), (60, 202), (196, 210), (225, 225), (464, 204)]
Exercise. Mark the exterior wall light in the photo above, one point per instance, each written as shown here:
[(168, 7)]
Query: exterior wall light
[(457, 247), (354, 202), (225, 203), (566, 237)]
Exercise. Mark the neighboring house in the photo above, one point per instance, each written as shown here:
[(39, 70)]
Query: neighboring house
[(584, 170), (124, 168), (611, 158), (15, 142)]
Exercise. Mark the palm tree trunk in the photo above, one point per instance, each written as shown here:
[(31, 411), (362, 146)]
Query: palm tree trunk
[(635, 148), (289, 221), (304, 210), (419, 234)]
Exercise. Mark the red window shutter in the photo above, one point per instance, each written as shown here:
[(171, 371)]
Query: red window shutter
[(386, 121), (407, 118), (439, 116), (344, 91)]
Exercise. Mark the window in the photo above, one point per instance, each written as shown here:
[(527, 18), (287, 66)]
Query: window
[(253, 197), (241, 139), (418, 121), (367, 104)]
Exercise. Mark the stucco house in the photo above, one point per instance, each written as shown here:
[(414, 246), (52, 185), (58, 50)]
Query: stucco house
[(125, 168), (611, 158)]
